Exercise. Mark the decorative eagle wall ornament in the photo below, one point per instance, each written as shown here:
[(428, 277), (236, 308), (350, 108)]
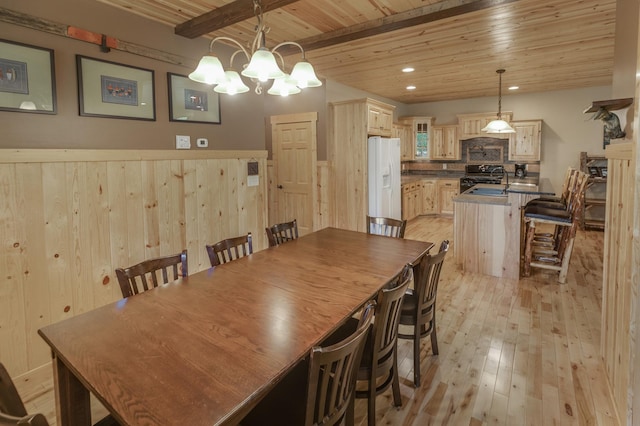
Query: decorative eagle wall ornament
[(611, 122)]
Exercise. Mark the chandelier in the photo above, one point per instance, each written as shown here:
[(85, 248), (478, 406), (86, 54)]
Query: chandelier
[(261, 67), (499, 125)]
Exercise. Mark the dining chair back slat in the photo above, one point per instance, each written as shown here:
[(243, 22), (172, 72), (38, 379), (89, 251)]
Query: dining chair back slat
[(320, 390), (230, 249), (386, 226), (282, 232), (135, 279), (419, 305), (332, 376), (379, 365)]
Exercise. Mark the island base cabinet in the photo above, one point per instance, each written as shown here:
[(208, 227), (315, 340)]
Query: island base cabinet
[(487, 239)]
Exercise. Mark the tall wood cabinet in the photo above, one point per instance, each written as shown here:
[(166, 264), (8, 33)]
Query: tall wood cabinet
[(350, 124)]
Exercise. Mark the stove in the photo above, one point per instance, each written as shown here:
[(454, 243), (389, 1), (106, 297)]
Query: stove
[(481, 173)]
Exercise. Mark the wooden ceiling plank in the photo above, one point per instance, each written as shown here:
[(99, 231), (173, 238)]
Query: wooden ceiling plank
[(229, 14)]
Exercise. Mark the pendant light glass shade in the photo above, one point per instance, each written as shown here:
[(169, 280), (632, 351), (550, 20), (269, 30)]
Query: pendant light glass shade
[(499, 125), (283, 87), (304, 75), (263, 66), (233, 84), (209, 71)]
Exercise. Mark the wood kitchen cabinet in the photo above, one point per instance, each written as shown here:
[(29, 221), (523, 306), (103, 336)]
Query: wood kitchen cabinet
[(380, 118), (447, 190), (420, 136), (429, 196), (471, 125), (404, 133), (524, 144), (411, 200), (350, 124), (445, 144)]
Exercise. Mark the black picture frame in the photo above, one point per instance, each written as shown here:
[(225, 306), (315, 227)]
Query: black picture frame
[(192, 102), (112, 90), (27, 78)]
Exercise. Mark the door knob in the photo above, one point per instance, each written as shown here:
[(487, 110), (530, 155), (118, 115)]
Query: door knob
[(279, 186)]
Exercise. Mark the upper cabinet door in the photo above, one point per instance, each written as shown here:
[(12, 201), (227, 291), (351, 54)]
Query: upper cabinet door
[(524, 144), (471, 125), (445, 144), (380, 120)]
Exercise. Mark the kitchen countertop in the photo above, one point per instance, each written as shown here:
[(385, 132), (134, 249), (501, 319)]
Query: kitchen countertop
[(519, 186), (404, 179), (409, 178)]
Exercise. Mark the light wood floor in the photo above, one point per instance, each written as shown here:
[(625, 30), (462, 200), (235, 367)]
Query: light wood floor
[(511, 352)]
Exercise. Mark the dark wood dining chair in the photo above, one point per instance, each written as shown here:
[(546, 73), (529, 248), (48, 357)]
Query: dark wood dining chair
[(386, 226), (144, 275), (327, 379), (419, 304), (379, 365), (230, 249), (282, 232), (12, 409)]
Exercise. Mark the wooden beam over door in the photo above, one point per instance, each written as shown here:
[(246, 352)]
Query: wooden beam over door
[(421, 15), (224, 16)]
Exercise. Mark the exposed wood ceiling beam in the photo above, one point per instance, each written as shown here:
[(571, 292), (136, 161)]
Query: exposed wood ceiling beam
[(224, 16), (421, 15)]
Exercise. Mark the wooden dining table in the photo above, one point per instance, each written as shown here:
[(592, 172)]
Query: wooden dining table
[(205, 349)]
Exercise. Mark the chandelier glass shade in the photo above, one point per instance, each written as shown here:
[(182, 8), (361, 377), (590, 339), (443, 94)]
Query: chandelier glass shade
[(262, 66), (499, 125)]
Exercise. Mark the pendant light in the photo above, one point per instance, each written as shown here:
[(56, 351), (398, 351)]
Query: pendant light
[(261, 68), (499, 125)]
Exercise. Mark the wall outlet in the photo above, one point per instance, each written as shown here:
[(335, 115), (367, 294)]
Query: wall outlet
[(202, 142), (444, 166), (183, 142)]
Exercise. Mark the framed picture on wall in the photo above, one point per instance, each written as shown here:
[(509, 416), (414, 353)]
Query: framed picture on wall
[(27, 78), (192, 102), (111, 90)]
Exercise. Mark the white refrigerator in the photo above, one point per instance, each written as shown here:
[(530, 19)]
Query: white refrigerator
[(385, 199)]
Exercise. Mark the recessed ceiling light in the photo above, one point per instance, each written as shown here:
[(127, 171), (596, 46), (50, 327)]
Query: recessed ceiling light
[(408, 69), (514, 88), (411, 87)]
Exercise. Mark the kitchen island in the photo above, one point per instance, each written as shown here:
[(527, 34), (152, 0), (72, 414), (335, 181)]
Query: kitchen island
[(487, 230)]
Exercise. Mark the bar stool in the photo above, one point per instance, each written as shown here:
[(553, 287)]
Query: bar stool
[(553, 250), (561, 201)]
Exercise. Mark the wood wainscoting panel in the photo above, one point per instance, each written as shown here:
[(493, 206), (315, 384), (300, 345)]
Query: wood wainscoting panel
[(69, 218), (619, 292)]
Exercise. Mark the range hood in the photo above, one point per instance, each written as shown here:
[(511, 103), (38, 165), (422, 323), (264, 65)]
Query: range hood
[(609, 105)]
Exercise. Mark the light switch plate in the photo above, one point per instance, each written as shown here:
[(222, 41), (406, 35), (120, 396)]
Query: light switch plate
[(183, 142), (202, 142)]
